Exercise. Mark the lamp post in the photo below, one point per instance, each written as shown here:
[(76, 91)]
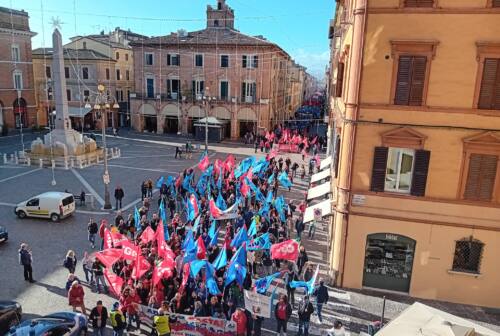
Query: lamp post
[(102, 104)]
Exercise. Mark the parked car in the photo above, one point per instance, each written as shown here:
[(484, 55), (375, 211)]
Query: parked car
[(10, 315), (4, 235), (57, 324), (53, 204)]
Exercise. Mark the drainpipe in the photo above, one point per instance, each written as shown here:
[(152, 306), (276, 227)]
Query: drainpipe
[(349, 134)]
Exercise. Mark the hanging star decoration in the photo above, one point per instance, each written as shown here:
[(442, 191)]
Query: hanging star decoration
[(56, 23)]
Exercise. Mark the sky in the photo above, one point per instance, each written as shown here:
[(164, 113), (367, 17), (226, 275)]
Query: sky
[(299, 27)]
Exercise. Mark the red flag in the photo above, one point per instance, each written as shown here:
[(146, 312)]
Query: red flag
[(244, 188), (162, 270), (164, 251), (115, 282), (250, 174), (203, 163), (178, 182), (141, 266), (194, 203), (217, 165), (317, 159), (288, 250), (201, 251), (147, 235), (229, 163), (185, 276), (314, 140), (130, 250), (108, 240), (109, 256), (118, 239), (273, 154), (215, 212)]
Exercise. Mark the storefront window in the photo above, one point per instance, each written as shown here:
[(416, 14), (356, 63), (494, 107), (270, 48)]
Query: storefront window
[(388, 261)]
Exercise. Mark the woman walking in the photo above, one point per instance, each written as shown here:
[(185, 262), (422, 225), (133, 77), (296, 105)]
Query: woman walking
[(70, 261), (75, 297)]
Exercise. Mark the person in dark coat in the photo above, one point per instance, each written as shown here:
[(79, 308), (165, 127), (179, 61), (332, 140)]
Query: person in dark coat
[(254, 324), (98, 317), (25, 260), (305, 311), (302, 259), (321, 293), (119, 194)]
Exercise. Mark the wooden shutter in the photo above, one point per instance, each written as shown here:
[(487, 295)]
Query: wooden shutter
[(418, 70), (481, 177), (495, 3), (419, 3), (489, 82), (340, 80), (403, 81), (420, 171), (256, 61), (379, 168)]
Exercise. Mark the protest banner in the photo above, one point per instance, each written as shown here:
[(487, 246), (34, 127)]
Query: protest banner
[(258, 304), (191, 325)]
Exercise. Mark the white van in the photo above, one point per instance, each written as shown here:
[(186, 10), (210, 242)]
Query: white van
[(53, 204)]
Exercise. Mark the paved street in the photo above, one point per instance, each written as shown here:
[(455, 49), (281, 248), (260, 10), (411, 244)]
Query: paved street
[(146, 156)]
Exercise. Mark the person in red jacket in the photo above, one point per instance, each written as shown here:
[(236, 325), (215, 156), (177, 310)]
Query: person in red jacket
[(282, 312), (104, 224), (240, 318), (75, 297)]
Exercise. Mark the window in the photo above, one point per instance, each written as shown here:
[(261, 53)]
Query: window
[(150, 87), (18, 79), (216, 23), (248, 90), (224, 61), (66, 72), (49, 93), (399, 170), (85, 73), (127, 74), (117, 55), (480, 177), (489, 94), (118, 75), (148, 58), (119, 95), (33, 202), (84, 45), (419, 3), (16, 54), (468, 255), (86, 93), (68, 94), (495, 3), (173, 86), (198, 60), (173, 59), (340, 80), (198, 88), (224, 90), (107, 73), (48, 73), (126, 57), (410, 80), (249, 61)]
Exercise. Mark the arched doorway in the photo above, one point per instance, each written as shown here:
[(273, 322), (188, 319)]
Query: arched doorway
[(195, 113), (20, 109), (247, 119), (388, 262), (223, 114), (148, 114), (171, 113)]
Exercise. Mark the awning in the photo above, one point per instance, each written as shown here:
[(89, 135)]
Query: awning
[(320, 176), (78, 111), (325, 207), (325, 163), (320, 190)]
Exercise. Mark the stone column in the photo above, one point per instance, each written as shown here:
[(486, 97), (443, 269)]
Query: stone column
[(62, 121)]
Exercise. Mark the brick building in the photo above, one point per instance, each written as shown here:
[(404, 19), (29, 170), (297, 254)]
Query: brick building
[(239, 79), (17, 99)]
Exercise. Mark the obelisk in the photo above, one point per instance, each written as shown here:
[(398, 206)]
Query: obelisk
[(63, 122)]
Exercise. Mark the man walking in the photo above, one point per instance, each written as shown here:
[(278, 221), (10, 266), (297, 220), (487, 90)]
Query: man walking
[(321, 293), (98, 317), (25, 259), (92, 231), (119, 194), (305, 311)]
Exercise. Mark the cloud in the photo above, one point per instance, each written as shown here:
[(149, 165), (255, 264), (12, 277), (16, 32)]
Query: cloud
[(314, 62)]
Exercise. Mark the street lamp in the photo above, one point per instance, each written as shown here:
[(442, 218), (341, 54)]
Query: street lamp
[(102, 104)]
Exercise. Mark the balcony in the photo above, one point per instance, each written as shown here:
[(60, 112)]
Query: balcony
[(158, 96)]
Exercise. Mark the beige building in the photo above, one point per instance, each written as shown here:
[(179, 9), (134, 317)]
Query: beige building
[(83, 70), (217, 71), (17, 99), (414, 102)]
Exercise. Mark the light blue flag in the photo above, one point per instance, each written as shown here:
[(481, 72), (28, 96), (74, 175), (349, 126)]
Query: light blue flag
[(188, 241), (270, 180), (252, 230), (283, 179), (262, 242), (221, 204), (221, 259), (213, 289), (213, 240), (159, 182), (137, 220), (269, 197), (196, 223), (279, 205), (196, 266), (258, 193), (262, 284), (240, 238), (163, 216), (212, 230), (237, 267), (308, 285)]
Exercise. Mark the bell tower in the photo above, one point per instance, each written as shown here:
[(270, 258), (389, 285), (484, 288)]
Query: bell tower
[(221, 16)]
